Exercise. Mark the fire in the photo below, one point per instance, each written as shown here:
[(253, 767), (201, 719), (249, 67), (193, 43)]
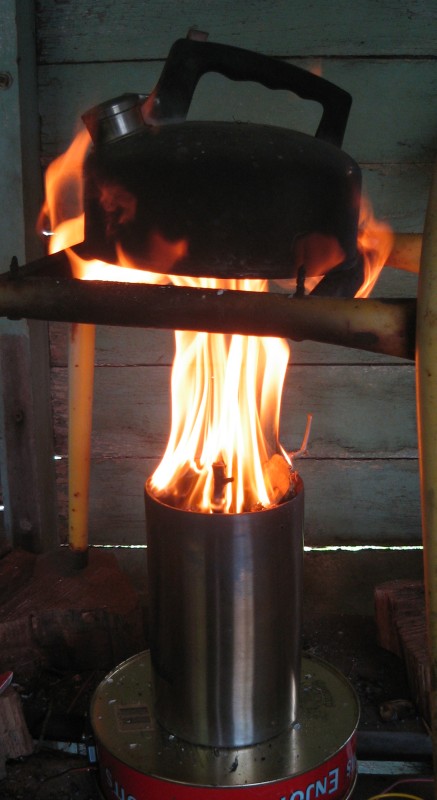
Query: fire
[(63, 212), (223, 453), (375, 242), (226, 394)]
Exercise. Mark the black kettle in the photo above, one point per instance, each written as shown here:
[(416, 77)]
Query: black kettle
[(223, 199)]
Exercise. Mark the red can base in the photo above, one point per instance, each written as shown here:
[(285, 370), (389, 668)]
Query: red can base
[(139, 760)]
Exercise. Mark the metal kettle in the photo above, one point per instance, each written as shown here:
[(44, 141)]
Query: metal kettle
[(223, 199)]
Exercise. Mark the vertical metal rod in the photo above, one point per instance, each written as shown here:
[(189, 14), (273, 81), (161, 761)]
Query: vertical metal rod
[(80, 409), (426, 373)]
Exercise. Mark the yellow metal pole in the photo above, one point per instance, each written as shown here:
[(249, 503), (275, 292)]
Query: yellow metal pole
[(426, 366), (80, 409)]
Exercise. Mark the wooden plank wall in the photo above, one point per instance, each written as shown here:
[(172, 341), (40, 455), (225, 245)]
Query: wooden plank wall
[(26, 454), (361, 475)]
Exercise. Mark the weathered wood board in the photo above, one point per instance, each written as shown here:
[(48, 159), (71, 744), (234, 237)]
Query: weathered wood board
[(25, 426), (144, 347), (357, 410), (347, 501), (102, 31), (361, 477), (401, 625), (380, 128), (65, 618)]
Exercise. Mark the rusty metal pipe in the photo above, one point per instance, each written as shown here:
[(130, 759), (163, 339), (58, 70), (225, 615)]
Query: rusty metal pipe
[(405, 253), (379, 326), (426, 371)]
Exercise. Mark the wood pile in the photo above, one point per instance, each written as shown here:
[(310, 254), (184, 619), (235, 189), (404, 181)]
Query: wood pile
[(54, 615), (15, 739), (401, 624)]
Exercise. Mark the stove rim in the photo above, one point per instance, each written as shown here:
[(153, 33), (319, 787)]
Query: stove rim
[(228, 754), (299, 488)]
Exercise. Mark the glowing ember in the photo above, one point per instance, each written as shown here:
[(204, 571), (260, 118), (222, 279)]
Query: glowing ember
[(223, 453)]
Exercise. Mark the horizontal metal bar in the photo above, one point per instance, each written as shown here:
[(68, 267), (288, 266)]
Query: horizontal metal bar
[(379, 326)]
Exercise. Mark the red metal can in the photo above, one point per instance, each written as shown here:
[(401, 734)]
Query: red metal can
[(139, 760)]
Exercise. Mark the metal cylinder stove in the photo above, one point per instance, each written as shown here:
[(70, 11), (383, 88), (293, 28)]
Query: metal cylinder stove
[(224, 705), (225, 620)]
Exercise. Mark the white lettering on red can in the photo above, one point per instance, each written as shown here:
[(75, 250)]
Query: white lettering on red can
[(308, 791), (117, 790), (323, 786), (333, 780), (351, 767)]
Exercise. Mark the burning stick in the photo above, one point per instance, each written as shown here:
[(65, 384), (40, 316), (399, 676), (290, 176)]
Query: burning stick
[(219, 484), (303, 448), (279, 470), (282, 478)]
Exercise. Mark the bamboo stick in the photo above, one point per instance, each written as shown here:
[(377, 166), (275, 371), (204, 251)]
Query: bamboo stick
[(80, 407), (426, 369), (379, 326)]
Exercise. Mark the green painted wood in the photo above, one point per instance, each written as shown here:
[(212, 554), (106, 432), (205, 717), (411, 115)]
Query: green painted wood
[(25, 426), (117, 346), (343, 582), (38, 372), (359, 411), (11, 197), (26, 524), (353, 502), (131, 347), (363, 502), (11, 222), (80, 30), (392, 118), (398, 193)]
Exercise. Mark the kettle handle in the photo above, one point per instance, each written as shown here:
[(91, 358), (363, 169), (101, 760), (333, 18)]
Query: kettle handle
[(189, 59)]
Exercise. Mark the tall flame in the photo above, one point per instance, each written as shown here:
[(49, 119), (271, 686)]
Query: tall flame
[(223, 453), (226, 393)]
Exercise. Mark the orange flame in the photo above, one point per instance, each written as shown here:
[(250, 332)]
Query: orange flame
[(223, 452), (226, 394), (63, 205), (375, 242)]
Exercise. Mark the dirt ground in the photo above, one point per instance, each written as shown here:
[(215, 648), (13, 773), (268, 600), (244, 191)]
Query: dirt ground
[(56, 709), (50, 776)]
